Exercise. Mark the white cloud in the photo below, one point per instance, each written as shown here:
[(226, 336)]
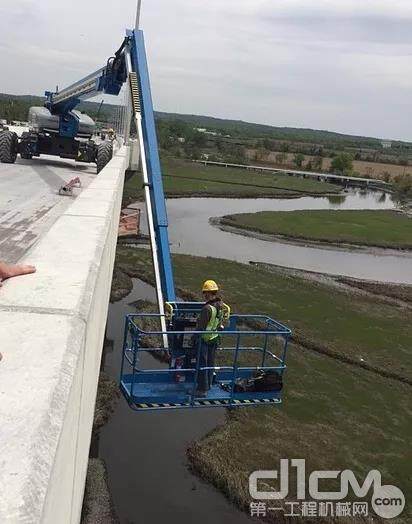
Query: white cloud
[(342, 65)]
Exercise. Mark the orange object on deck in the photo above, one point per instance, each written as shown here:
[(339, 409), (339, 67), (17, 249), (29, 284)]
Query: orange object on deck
[(129, 223)]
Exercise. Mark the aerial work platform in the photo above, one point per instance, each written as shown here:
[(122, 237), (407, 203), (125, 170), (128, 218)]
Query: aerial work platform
[(246, 336), (251, 346)]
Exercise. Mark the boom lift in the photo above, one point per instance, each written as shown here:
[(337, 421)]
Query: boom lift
[(58, 129), (250, 345)]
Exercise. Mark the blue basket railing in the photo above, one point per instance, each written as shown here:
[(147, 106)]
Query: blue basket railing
[(245, 352)]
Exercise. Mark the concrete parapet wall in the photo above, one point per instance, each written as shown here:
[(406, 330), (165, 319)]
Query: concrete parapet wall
[(52, 327)]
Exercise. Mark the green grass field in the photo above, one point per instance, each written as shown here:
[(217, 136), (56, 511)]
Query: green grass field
[(370, 228), (343, 324), (184, 178), (334, 415)]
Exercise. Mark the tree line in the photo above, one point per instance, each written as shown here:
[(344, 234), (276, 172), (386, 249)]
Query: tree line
[(181, 139), (14, 109)]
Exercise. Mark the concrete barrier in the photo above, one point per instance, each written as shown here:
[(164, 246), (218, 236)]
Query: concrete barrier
[(52, 326)]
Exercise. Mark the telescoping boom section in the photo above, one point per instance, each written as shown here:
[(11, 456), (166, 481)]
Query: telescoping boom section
[(161, 361)]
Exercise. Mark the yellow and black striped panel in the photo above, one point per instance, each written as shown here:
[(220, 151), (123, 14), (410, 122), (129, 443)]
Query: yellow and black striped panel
[(211, 403), (134, 89)]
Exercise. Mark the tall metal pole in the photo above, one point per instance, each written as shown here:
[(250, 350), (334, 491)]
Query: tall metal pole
[(150, 219), (139, 6)]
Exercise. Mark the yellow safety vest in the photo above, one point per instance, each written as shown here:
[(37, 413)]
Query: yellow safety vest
[(217, 317)]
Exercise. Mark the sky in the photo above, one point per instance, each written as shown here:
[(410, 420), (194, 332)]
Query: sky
[(340, 65)]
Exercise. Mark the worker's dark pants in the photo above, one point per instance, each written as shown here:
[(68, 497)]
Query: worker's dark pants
[(206, 359)]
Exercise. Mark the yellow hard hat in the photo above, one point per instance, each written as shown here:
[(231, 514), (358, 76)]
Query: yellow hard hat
[(210, 285)]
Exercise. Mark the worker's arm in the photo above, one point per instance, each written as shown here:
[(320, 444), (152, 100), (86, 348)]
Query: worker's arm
[(201, 324), (10, 271), (204, 318)]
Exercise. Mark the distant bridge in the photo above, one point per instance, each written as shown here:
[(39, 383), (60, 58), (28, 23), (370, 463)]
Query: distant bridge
[(373, 183)]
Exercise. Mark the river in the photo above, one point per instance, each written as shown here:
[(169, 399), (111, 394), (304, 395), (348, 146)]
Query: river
[(190, 232)]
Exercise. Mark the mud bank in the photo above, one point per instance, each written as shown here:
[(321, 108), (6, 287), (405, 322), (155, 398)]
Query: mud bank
[(97, 503)]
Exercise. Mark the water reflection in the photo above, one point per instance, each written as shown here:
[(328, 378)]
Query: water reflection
[(363, 193), (336, 200)]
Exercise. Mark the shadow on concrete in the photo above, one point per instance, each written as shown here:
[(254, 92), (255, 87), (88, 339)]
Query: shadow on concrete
[(49, 176), (63, 163)]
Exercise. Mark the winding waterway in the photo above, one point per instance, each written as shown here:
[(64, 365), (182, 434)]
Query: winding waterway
[(191, 233)]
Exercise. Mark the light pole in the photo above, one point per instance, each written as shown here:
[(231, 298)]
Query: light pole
[(139, 6)]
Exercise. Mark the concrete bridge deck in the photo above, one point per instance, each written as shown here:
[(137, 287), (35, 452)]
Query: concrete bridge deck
[(52, 326), (29, 200)]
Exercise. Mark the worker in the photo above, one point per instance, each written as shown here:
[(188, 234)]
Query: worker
[(212, 317)]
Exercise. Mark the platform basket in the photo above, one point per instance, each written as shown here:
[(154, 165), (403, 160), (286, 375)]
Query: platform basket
[(251, 346)]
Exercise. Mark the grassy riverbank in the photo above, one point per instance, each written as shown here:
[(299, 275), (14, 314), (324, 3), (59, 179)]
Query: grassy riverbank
[(97, 502), (348, 326), (388, 229), (336, 415), (183, 178)]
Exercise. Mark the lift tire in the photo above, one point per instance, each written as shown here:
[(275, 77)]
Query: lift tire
[(104, 155), (9, 143)]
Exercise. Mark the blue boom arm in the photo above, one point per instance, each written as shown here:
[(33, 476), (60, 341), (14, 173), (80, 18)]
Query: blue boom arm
[(139, 65), (107, 80)]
